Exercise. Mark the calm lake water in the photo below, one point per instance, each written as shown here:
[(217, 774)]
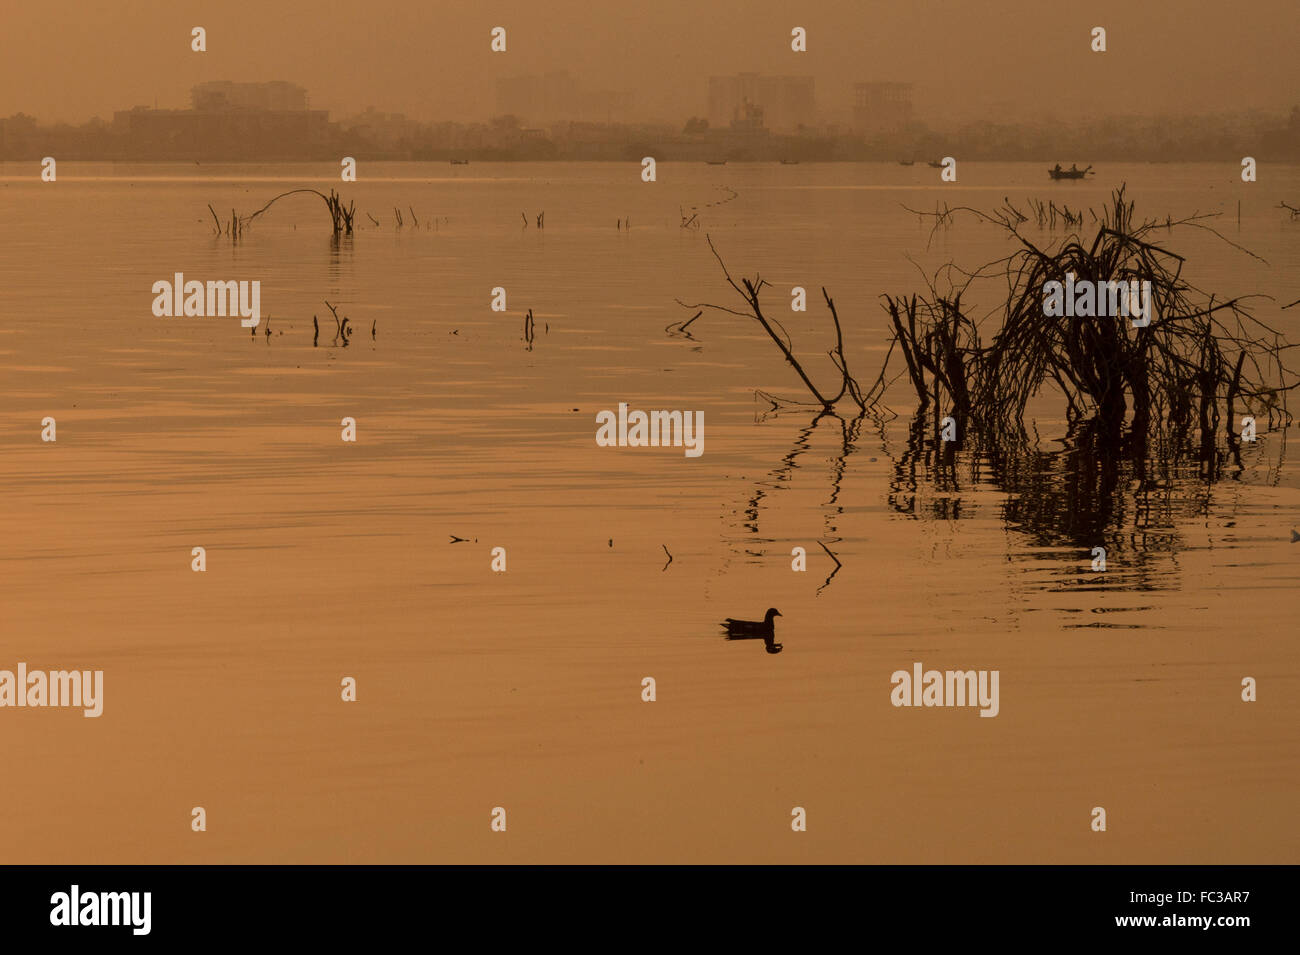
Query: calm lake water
[(522, 689)]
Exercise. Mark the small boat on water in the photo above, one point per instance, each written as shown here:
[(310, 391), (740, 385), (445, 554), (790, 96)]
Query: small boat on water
[(936, 164), (907, 162), (716, 162), (460, 162), (789, 162), (1072, 173)]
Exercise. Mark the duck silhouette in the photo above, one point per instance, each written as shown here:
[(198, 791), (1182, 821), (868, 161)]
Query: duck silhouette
[(763, 630)]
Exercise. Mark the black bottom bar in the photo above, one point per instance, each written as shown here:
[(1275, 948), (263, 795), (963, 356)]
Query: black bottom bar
[(980, 904)]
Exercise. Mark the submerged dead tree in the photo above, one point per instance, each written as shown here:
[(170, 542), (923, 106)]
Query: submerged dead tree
[(1177, 365), (340, 215), (1150, 354), (343, 330), (1137, 384), (750, 290)]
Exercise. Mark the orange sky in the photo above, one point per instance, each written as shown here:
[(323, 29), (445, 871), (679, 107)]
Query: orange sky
[(431, 60)]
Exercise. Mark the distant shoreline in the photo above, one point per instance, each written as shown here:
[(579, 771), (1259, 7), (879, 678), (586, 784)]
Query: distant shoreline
[(332, 161)]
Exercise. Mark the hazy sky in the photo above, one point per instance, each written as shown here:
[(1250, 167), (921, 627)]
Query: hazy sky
[(996, 59)]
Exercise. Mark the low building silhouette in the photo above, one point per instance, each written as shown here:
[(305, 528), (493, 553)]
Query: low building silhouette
[(229, 121), (881, 107), (785, 103)]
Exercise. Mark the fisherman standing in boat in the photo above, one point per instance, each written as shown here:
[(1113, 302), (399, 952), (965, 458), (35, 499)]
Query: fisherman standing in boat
[(1057, 170)]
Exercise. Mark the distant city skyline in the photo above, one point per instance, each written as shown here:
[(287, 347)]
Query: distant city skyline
[(558, 96), (750, 117), (753, 100)]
